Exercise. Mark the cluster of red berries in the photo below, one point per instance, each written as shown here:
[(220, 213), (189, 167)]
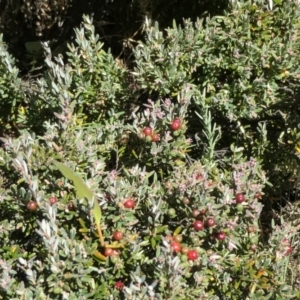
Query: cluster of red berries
[(109, 252), (200, 225), (155, 137), (175, 243), (150, 135)]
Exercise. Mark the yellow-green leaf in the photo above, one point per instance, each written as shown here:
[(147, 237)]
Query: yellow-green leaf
[(83, 191), (97, 212)]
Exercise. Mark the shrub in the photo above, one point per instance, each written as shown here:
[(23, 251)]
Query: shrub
[(12, 98), (177, 186)]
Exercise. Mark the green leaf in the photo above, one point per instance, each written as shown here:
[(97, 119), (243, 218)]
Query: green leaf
[(97, 212), (82, 189)]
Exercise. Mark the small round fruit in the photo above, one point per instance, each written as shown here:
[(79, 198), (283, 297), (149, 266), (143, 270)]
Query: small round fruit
[(129, 203), (186, 201), (118, 235), (176, 247), (148, 138), (210, 222), (176, 133), (257, 195), (195, 240), (147, 131), (209, 252), (198, 225), (155, 137), (202, 212), (176, 124), (171, 212), (251, 229), (119, 285), (108, 252), (178, 238), (195, 213), (71, 206), (192, 255), (183, 258), (52, 200), (32, 205), (240, 207), (221, 236), (254, 240), (185, 250), (239, 198)]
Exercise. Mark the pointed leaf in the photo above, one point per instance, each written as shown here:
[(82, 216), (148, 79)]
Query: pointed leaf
[(83, 191), (97, 212)]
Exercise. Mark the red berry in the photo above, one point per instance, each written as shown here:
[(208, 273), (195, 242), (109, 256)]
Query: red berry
[(210, 222), (221, 236), (129, 203), (288, 250), (32, 206), (118, 235), (71, 206), (176, 124), (119, 285), (257, 195), (147, 131), (155, 137), (192, 255), (198, 225), (52, 200), (176, 247), (202, 211), (108, 252), (239, 198)]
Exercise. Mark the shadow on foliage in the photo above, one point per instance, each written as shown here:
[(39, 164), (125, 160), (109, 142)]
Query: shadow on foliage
[(119, 23)]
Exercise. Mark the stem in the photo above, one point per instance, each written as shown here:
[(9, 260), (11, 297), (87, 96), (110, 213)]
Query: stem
[(100, 235)]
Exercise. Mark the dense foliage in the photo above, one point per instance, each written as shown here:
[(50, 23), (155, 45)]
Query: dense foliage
[(147, 181)]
